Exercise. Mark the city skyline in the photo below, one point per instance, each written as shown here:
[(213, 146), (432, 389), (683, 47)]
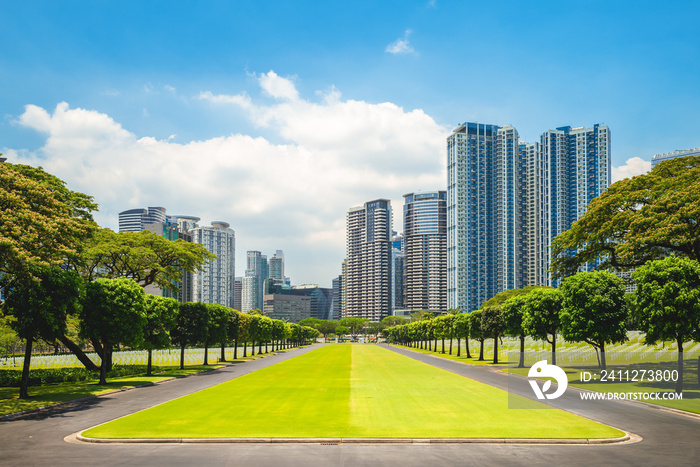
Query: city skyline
[(278, 118)]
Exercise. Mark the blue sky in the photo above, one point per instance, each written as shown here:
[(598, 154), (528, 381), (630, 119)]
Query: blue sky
[(279, 116)]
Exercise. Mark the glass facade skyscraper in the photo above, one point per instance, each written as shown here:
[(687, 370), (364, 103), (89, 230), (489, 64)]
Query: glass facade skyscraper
[(215, 283), (425, 251), (506, 201)]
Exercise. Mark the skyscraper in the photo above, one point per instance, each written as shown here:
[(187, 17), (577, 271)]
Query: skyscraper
[(507, 201), (425, 249), (215, 283), (277, 267), (481, 199), (398, 271), (367, 280), (257, 270), (136, 220)]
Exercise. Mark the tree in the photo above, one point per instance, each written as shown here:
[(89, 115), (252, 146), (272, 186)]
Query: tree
[(513, 315), (233, 327), (190, 327), (541, 308), (475, 331), (635, 220), (39, 308), (461, 326), (144, 256), (253, 329), (341, 330), (390, 321), (667, 303), (216, 330), (355, 325), (493, 325), (278, 332), (243, 334), (161, 314), (42, 223), (374, 328), (114, 313), (442, 329), (421, 315), (594, 310)]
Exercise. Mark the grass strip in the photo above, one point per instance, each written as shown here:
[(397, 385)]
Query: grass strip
[(350, 391), (42, 396)]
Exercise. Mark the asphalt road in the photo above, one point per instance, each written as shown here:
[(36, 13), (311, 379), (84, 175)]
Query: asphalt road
[(38, 439)]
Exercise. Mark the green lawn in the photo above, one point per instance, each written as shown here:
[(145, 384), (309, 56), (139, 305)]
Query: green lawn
[(350, 391), (42, 396)]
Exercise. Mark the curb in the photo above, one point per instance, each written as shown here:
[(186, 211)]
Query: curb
[(337, 441)]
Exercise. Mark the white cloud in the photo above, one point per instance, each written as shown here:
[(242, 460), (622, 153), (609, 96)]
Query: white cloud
[(633, 166), (401, 46), (169, 88), (293, 196)]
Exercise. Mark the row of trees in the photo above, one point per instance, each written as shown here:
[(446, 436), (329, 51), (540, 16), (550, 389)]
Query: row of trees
[(589, 307), (56, 264)]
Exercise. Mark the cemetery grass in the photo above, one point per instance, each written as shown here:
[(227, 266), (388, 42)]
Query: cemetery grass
[(350, 391), (49, 394)]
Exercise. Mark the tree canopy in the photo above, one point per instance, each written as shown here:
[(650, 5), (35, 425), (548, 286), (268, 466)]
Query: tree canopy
[(42, 223), (635, 220), (145, 257), (667, 302), (594, 310)]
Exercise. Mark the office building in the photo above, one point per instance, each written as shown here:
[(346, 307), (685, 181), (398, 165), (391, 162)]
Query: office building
[(397, 271), (672, 155), (367, 278), (287, 307), (136, 220), (425, 251)]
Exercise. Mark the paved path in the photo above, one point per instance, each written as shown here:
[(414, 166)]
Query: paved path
[(38, 439)]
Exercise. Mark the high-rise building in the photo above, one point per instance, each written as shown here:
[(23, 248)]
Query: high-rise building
[(337, 299), (425, 249), (277, 267), (367, 279), (173, 231), (238, 293), (507, 201), (257, 271), (136, 220), (215, 282), (481, 197), (672, 155), (397, 272)]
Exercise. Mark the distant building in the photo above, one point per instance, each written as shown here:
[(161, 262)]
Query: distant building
[(277, 267), (215, 283), (136, 220), (320, 298), (287, 307), (425, 250), (506, 201), (672, 155), (336, 298), (367, 277), (257, 271), (171, 230), (238, 293), (398, 271)]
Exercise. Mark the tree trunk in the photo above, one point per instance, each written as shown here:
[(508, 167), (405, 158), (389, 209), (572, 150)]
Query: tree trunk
[(603, 366), (466, 345), (235, 348), (149, 371), (223, 353), (182, 356), (443, 345), (266, 347), (103, 367), (245, 349), (206, 354), (522, 352), (459, 346), (679, 383), (495, 350), (24, 383), (554, 349), (252, 350), (481, 350), (78, 352), (450, 346)]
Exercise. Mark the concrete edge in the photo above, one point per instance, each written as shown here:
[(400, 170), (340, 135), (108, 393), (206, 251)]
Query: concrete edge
[(627, 438)]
